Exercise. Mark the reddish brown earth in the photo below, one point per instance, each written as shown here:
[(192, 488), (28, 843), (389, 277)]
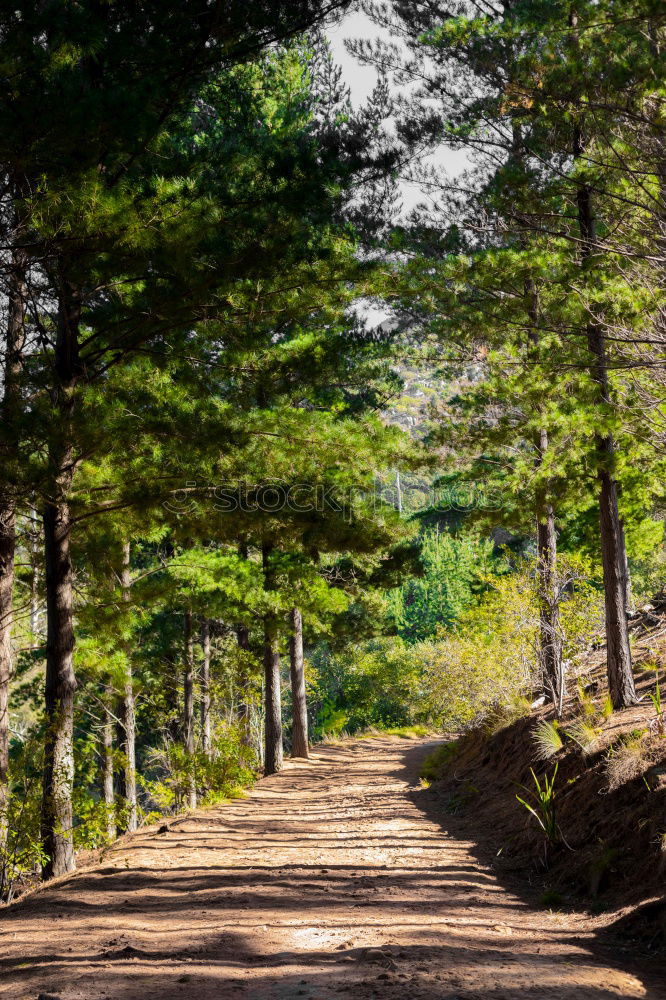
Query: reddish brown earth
[(329, 880)]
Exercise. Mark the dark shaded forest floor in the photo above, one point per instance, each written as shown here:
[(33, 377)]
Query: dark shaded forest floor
[(334, 878)]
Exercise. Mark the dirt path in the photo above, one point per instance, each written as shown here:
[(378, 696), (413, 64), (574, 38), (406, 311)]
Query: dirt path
[(327, 881)]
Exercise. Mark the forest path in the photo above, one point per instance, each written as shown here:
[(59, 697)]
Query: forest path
[(328, 880)]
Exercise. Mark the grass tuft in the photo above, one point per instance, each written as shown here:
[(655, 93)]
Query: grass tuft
[(547, 739), (627, 759), (586, 735)]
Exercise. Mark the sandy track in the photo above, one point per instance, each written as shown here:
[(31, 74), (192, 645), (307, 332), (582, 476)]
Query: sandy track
[(329, 880)]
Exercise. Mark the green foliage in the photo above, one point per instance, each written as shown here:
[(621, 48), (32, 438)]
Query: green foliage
[(542, 806), (455, 568), (547, 739), (482, 669), (23, 855), (655, 698), (436, 762), (490, 661), (375, 684), (231, 767)]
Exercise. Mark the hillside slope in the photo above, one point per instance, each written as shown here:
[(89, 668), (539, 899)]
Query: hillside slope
[(608, 852)]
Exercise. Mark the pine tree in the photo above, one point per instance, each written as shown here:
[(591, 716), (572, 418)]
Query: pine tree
[(299, 732), (524, 69)]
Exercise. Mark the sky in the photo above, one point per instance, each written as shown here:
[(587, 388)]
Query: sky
[(361, 80)]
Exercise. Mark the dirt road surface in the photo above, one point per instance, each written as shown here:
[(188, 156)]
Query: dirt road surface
[(329, 880)]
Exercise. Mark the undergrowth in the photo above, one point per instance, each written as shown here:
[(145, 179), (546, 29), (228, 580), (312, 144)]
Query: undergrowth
[(435, 762)]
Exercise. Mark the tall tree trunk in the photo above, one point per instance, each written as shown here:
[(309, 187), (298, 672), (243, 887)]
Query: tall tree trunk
[(244, 704), (7, 546), (620, 674), (107, 761), (188, 710), (128, 706), (299, 734), (550, 641), (34, 579), (59, 690), (11, 398), (629, 606), (244, 711), (56, 819), (549, 610), (206, 744), (273, 751)]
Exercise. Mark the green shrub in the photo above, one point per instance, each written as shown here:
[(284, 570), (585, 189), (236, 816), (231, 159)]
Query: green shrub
[(22, 855), (377, 683), (434, 764), (455, 568), (232, 766)]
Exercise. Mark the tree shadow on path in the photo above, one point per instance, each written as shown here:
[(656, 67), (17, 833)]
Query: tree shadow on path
[(604, 944)]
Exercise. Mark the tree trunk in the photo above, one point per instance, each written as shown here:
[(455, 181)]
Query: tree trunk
[(34, 579), (7, 546), (11, 398), (107, 762), (549, 611), (188, 711), (620, 674), (128, 720), (244, 711), (56, 819), (206, 745), (59, 694), (128, 708), (244, 704), (273, 752), (550, 639), (299, 734), (629, 606), (618, 651)]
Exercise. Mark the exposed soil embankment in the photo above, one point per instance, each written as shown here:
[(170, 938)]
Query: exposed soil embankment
[(609, 854)]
